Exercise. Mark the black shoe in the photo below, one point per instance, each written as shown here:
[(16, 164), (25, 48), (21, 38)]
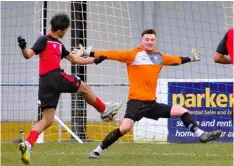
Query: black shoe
[(209, 136)]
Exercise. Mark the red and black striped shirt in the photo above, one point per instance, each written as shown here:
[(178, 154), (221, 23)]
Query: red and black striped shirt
[(50, 51)]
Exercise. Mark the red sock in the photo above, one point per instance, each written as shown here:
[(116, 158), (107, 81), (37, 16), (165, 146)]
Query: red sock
[(99, 105), (32, 137)]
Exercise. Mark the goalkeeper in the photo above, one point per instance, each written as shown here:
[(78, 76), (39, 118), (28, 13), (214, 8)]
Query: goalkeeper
[(143, 66), (53, 81)]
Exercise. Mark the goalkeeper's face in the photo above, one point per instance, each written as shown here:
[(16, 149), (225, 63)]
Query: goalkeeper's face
[(148, 41)]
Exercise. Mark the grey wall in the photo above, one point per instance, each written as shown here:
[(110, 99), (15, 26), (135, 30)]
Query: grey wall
[(111, 25)]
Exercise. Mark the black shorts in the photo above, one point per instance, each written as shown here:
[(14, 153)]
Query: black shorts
[(137, 109), (52, 84)]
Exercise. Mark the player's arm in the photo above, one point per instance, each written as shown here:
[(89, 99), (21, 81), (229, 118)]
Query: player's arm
[(27, 53), (79, 60), (117, 55), (36, 49), (221, 52), (221, 58), (75, 57), (169, 60), (121, 56)]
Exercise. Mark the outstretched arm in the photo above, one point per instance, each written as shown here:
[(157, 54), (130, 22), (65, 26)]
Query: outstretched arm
[(177, 60), (121, 56), (84, 61), (79, 60), (75, 57)]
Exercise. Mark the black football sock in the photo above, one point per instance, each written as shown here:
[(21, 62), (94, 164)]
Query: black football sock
[(188, 121), (111, 138)]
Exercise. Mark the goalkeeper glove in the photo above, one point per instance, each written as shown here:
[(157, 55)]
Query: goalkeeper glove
[(99, 59), (195, 55), (22, 42), (82, 51)]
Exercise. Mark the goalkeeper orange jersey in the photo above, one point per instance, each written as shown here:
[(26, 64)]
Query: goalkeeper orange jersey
[(143, 69)]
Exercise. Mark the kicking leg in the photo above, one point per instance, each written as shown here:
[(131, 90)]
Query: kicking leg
[(189, 122), (113, 136), (25, 147), (108, 111)]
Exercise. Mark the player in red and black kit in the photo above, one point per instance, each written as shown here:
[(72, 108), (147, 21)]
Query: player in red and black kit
[(53, 81), (224, 49)]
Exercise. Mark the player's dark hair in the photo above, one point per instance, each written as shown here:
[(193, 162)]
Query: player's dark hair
[(59, 21), (148, 31)]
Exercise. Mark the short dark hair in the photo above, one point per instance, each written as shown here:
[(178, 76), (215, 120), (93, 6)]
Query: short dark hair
[(148, 31), (59, 21)]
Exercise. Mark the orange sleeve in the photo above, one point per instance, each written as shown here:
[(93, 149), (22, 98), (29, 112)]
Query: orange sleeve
[(169, 60), (121, 56)]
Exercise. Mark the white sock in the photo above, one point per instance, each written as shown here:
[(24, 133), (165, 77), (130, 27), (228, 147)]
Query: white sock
[(28, 145), (98, 149), (198, 132)]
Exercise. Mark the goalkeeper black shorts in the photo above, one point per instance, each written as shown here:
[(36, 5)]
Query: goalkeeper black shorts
[(137, 109), (52, 84)]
